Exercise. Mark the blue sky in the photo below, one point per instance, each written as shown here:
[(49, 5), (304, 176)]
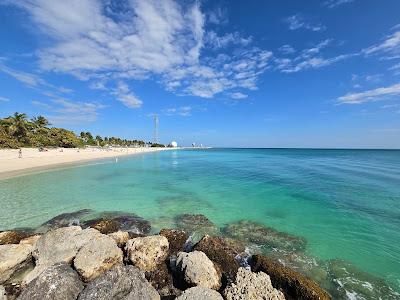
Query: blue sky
[(222, 73)]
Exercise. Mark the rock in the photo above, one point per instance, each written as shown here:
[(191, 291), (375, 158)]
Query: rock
[(176, 239), (198, 270), (64, 220), (11, 237), (124, 221), (223, 253), (97, 256), (162, 280), (59, 245), (148, 252), (120, 282), (253, 232), (291, 283), (252, 286), (2, 293), (13, 257), (200, 293), (32, 240), (57, 282), (120, 237), (349, 280), (103, 225), (196, 225)]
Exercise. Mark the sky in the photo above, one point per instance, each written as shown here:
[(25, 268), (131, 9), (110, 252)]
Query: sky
[(221, 73)]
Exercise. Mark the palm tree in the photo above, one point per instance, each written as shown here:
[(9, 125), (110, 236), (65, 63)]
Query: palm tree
[(40, 122), (17, 125)]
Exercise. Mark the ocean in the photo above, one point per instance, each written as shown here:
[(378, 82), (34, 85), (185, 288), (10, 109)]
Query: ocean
[(334, 215)]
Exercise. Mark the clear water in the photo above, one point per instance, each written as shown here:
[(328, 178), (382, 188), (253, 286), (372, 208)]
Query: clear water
[(345, 203)]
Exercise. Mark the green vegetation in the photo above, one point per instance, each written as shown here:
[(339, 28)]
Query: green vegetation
[(18, 131)]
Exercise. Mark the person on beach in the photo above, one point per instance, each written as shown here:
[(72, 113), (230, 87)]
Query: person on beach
[(20, 153)]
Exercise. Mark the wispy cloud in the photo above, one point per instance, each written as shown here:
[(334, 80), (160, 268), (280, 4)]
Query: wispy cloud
[(238, 96), (391, 44), (370, 95), (124, 95), (335, 3), (287, 49), (153, 40), (4, 99), (65, 111), (309, 58), (297, 21), (183, 111)]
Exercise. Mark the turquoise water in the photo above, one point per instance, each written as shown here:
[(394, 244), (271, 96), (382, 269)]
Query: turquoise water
[(345, 203)]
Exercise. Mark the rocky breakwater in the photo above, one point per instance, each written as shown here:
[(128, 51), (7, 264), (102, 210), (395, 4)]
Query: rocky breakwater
[(106, 262)]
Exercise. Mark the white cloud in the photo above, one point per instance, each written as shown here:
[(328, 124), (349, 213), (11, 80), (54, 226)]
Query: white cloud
[(370, 95), (238, 96), (297, 22), (335, 3), (287, 49), (94, 41), (218, 16), (183, 111), (213, 40), (29, 79), (309, 58), (65, 111), (124, 95), (4, 99), (391, 44)]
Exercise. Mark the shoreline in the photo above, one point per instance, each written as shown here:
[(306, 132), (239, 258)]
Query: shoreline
[(33, 161)]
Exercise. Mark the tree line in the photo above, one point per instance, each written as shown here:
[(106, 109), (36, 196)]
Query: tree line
[(18, 131)]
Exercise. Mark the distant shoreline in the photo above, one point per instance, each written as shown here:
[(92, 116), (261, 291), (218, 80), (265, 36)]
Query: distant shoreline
[(33, 161)]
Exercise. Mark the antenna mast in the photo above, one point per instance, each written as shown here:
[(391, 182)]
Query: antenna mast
[(155, 129)]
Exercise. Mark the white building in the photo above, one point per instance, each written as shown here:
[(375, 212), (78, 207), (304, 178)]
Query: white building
[(174, 144)]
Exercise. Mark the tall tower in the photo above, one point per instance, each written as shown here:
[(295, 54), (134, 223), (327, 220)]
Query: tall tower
[(155, 129)]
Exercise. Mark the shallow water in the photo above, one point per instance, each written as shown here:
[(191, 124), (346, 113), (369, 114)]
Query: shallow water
[(344, 203)]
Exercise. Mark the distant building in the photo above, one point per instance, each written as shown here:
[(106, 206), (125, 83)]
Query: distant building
[(174, 144)]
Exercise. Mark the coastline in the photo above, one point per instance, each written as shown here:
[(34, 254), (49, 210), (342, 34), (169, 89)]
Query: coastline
[(33, 161)]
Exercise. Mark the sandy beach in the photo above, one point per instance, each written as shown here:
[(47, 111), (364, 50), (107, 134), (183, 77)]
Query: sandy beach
[(32, 160)]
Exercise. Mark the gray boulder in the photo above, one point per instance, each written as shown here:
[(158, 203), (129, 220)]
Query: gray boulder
[(59, 245), (57, 282), (252, 286), (148, 252), (120, 237), (2, 293), (98, 255), (200, 293), (13, 257), (120, 282), (198, 270)]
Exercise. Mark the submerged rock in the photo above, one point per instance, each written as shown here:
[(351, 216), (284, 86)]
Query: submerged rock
[(13, 257), (65, 219), (59, 245), (120, 282), (176, 239), (253, 232), (198, 270), (196, 224), (11, 237), (222, 252), (350, 281), (148, 252), (120, 237), (113, 221), (291, 283), (200, 293), (57, 282), (97, 256), (252, 286), (103, 225)]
